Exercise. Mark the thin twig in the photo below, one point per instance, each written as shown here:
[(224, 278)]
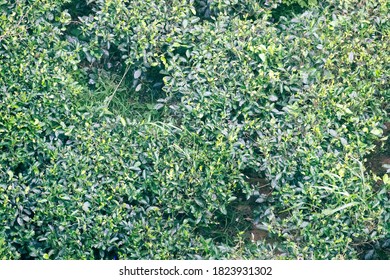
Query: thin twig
[(117, 87)]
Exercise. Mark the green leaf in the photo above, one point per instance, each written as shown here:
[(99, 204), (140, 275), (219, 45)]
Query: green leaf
[(262, 56), (333, 133), (152, 208), (328, 212), (386, 179), (137, 74), (185, 23), (377, 131), (223, 209), (351, 56), (123, 121), (10, 174), (158, 106), (86, 206), (273, 98)]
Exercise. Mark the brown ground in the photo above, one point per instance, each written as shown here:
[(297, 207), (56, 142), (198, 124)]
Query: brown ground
[(381, 156)]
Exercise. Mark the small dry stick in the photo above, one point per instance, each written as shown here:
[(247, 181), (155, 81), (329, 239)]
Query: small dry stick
[(117, 87)]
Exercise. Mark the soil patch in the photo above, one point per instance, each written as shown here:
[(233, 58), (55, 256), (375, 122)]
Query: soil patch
[(379, 161)]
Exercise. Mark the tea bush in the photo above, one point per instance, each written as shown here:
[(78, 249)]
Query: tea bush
[(84, 184), (300, 102), (314, 150), (128, 200), (287, 106)]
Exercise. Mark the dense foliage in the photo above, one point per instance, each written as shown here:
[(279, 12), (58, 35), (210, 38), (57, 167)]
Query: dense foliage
[(129, 129)]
